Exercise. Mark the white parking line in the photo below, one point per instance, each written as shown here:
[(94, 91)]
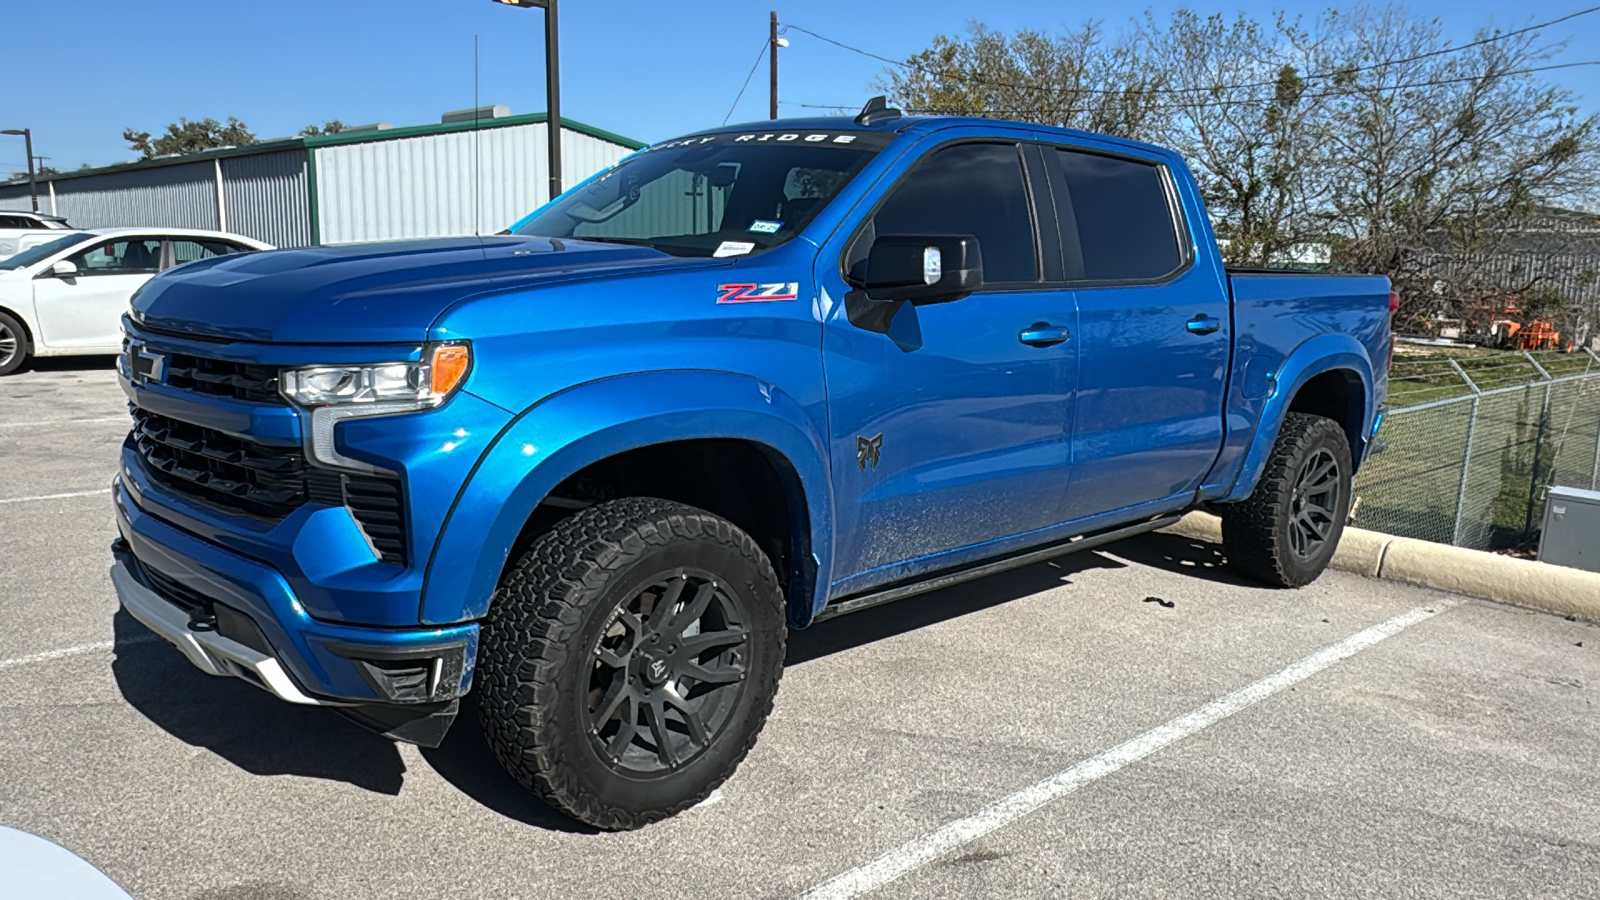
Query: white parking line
[(919, 852), (65, 652), (55, 496), (46, 423)]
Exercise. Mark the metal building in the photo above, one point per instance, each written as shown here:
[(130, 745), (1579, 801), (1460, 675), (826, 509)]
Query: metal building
[(454, 178)]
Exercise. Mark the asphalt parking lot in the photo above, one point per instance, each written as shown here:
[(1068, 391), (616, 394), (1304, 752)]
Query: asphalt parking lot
[(1133, 722)]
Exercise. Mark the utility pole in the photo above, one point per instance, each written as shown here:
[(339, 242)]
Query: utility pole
[(552, 85), (33, 181), (772, 56)]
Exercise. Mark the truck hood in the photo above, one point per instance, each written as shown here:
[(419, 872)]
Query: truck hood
[(366, 293)]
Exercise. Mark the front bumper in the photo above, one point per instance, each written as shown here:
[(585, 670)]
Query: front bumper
[(233, 616)]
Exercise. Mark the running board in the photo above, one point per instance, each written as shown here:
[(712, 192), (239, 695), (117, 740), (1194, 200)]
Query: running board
[(947, 578)]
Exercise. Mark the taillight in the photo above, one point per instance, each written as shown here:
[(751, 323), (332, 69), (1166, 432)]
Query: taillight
[(1394, 302)]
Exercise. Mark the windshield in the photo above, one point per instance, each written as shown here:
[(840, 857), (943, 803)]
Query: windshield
[(43, 251), (716, 195)]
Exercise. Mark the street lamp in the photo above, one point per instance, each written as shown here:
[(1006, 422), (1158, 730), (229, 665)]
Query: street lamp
[(552, 86), (33, 184)]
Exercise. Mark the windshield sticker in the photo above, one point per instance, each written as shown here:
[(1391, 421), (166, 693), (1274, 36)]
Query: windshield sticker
[(759, 293), (765, 226), (734, 248)]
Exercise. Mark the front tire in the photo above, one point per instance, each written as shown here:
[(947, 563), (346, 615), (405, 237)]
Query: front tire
[(1286, 531), (630, 659), (14, 346)]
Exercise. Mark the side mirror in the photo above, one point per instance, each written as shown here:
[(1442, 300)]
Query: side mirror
[(66, 268), (923, 268)]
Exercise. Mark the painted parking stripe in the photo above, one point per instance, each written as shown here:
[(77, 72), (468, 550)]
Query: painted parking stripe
[(79, 650), (914, 854), (56, 496)]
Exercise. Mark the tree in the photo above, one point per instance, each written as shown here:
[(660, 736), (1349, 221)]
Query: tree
[(185, 136), (39, 172), (332, 126)]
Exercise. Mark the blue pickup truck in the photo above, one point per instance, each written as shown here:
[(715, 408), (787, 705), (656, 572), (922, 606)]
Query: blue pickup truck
[(594, 468)]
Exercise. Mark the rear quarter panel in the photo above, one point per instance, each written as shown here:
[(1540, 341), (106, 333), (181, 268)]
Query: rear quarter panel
[(1289, 328)]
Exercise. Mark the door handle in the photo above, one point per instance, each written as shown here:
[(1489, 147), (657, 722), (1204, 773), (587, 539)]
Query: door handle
[(1203, 324), (1043, 334)]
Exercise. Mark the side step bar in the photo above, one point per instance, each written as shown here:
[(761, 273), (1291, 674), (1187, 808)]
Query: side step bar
[(979, 570)]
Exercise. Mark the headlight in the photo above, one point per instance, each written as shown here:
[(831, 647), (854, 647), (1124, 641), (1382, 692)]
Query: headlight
[(382, 388), (329, 394)]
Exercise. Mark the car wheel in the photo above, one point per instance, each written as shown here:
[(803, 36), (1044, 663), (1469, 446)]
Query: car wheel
[(14, 347), (629, 659), (1287, 530)]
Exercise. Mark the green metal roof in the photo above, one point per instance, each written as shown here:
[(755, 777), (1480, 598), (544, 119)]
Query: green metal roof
[(329, 140)]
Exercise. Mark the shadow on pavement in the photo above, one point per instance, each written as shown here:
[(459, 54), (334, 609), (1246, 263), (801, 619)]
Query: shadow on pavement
[(1183, 555), (877, 623), (243, 724), (71, 364), (465, 760)]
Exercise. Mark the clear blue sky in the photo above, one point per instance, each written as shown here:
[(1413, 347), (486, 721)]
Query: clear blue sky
[(647, 70)]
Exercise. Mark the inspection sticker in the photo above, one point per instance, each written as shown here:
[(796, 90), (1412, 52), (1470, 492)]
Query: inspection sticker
[(765, 226)]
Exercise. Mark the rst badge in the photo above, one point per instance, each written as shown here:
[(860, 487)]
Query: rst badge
[(768, 292)]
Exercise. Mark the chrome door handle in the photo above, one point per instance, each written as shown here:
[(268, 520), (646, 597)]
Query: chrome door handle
[(1043, 334), (1203, 324)]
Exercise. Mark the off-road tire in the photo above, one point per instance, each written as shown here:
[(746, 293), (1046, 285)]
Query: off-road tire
[(1255, 531), (554, 607), (14, 345)]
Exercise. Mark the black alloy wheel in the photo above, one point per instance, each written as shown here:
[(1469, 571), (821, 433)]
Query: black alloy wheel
[(1314, 504), (667, 672)]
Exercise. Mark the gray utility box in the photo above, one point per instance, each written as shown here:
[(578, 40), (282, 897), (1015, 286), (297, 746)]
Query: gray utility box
[(1571, 535)]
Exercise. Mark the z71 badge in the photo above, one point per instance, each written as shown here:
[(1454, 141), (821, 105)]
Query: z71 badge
[(758, 293)]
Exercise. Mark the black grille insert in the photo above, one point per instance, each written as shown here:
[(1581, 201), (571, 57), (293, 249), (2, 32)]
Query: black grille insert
[(265, 482), (220, 377)]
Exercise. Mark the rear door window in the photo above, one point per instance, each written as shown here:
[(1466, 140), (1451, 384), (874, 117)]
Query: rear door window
[(1116, 218)]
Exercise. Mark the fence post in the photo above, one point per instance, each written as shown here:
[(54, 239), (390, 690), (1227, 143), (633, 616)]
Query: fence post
[(1538, 451), (1594, 467), (1466, 466)]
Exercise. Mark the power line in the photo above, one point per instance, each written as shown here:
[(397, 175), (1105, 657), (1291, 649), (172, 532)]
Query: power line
[(1344, 92), (1171, 90), (753, 67)]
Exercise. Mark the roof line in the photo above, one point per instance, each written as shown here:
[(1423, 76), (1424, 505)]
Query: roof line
[(329, 140)]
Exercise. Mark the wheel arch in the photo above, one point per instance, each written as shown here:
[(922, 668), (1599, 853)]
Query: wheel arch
[(622, 425), (1338, 373)]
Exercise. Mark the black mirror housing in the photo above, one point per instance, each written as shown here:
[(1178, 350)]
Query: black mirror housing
[(923, 268)]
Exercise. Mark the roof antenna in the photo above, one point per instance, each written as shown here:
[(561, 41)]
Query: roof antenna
[(877, 110)]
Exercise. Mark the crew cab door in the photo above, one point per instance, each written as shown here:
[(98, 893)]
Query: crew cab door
[(948, 425), (1154, 330), (85, 310)]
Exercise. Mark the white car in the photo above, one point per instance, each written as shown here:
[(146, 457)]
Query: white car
[(21, 230), (67, 297)]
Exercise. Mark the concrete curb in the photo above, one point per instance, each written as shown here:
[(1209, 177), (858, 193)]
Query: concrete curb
[(1557, 589)]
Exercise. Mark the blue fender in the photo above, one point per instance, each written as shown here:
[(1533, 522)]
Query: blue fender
[(1324, 353), (560, 435)]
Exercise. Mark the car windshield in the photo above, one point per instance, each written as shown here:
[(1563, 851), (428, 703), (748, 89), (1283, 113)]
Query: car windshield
[(724, 194), (43, 251)]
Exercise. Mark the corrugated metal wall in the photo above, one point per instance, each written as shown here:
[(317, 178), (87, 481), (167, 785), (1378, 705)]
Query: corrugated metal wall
[(181, 196), (266, 197), (425, 186)]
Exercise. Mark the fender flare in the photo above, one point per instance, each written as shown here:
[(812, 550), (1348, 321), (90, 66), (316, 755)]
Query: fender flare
[(1324, 353), (567, 431)]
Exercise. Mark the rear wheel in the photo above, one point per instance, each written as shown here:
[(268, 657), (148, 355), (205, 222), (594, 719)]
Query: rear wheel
[(1285, 532), (629, 660), (14, 347)]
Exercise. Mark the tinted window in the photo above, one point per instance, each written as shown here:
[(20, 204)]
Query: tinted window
[(43, 251), (1116, 221), (125, 257), (189, 250), (17, 222), (974, 189)]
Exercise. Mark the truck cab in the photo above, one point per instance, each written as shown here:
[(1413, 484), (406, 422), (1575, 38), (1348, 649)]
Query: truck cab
[(594, 468)]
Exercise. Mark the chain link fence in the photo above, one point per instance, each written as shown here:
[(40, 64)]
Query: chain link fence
[(1471, 445)]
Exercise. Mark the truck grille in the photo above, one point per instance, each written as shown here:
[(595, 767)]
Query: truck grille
[(265, 482), (222, 378)]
